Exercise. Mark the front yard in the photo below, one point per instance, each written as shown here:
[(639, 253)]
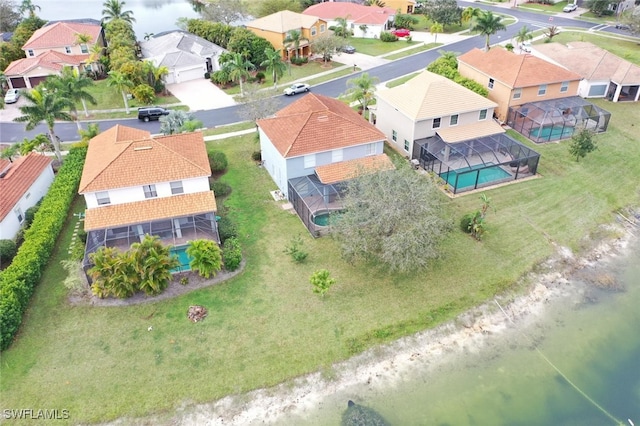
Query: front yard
[(109, 98)]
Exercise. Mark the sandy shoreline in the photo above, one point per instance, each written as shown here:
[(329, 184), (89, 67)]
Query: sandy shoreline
[(385, 365)]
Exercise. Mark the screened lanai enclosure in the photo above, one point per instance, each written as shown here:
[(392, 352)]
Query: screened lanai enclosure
[(477, 163), (316, 203), (557, 119)]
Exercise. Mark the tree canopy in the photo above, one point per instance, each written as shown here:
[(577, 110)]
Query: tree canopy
[(225, 11), (9, 16), (446, 12)]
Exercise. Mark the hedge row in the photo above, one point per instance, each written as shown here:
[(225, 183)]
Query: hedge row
[(20, 278)]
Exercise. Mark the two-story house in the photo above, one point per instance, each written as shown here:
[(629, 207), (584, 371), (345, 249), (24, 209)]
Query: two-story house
[(135, 184), (277, 27), (363, 21), (56, 45)]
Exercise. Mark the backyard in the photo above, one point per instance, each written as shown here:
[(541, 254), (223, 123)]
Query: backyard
[(266, 326)]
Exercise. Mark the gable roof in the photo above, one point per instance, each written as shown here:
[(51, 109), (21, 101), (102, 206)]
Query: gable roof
[(516, 70), (317, 123), (344, 170), (357, 13), (123, 157), (50, 60), (19, 177), (178, 47), (591, 61), (453, 134), (283, 22), (430, 95), (61, 33)]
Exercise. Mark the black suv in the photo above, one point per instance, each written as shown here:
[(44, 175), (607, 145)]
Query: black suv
[(151, 113)]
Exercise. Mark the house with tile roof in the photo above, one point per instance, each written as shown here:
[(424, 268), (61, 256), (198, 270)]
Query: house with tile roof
[(278, 26), (52, 47), (135, 184), (23, 183), (372, 19), (514, 79), (603, 73), (186, 56)]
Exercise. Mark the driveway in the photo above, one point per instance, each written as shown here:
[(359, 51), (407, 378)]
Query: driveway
[(200, 94), (11, 111), (360, 60)]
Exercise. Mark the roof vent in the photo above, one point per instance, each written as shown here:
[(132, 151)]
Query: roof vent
[(323, 118), (142, 148)]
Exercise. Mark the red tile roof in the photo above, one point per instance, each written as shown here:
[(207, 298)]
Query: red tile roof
[(49, 60), (344, 170), (515, 70), (61, 34), (354, 12), (21, 174), (123, 157), (317, 123)]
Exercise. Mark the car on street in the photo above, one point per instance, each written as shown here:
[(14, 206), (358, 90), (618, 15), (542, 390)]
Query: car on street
[(296, 88), (12, 96), (570, 7), (151, 113), (622, 26), (401, 32), (348, 49)]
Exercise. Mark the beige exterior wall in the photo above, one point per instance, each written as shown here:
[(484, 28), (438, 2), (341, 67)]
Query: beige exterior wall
[(404, 5), (75, 49), (277, 39)]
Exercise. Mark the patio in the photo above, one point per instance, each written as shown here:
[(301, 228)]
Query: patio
[(315, 202)]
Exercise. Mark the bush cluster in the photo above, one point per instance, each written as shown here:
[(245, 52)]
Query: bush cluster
[(218, 161), (226, 229), (220, 189), (231, 254), (20, 278), (299, 60), (387, 37), (8, 249)]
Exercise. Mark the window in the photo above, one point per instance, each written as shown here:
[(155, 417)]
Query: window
[(370, 149), (103, 198), (30, 52), (336, 155), (84, 48), (483, 115), (150, 191), (309, 161), (19, 214), (67, 49), (542, 90), (491, 82), (313, 31), (406, 145), (26, 197), (564, 87), (88, 68), (322, 28), (176, 187), (394, 135), (436, 123), (517, 93), (453, 121)]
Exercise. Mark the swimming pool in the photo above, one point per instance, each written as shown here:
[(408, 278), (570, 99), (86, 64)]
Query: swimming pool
[(551, 132), (467, 176), (181, 253), (321, 217)]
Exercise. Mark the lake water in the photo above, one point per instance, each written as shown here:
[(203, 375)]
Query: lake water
[(152, 16), (594, 344)]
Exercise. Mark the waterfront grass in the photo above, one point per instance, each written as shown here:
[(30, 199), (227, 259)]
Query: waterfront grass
[(266, 326)]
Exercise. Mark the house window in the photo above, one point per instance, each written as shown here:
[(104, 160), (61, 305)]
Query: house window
[(436, 123), (453, 120), (84, 48), (88, 68), (406, 145), (30, 52), (322, 28), (394, 135), (19, 215), (491, 82), (517, 93), (370, 149), (150, 191), (313, 31), (103, 198), (483, 115), (309, 161), (564, 87), (67, 49), (542, 90), (336, 155), (26, 197), (176, 187)]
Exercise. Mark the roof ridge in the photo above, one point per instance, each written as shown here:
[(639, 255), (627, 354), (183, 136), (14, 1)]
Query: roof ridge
[(308, 113), (176, 152)]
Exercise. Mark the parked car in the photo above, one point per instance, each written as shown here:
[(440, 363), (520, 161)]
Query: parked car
[(151, 113), (12, 96), (570, 7), (621, 26), (401, 32), (525, 46), (348, 49), (296, 88)]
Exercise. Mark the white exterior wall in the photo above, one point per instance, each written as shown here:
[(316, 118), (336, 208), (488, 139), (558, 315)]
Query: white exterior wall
[(10, 225), (585, 86), (389, 119), (273, 162), (373, 31)]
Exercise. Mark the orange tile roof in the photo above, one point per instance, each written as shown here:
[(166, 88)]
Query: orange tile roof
[(149, 210), (283, 22), (354, 12), (21, 174), (317, 123), (123, 157), (344, 170), (61, 34), (515, 70), (50, 60)]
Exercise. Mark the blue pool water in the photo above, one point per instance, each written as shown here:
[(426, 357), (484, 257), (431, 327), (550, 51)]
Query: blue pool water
[(181, 253), (551, 133), (322, 218), (467, 176)]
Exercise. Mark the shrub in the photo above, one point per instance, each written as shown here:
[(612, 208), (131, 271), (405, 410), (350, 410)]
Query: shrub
[(299, 60), (82, 235), (218, 161), (205, 257), (321, 281), (226, 229), (220, 189), (144, 94), (231, 254), (30, 214), (259, 76), (220, 77), (294, 249), (465, 223), (386, 36), (256, 156), (8, 249)]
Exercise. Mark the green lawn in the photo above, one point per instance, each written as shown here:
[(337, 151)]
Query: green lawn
[(627, 49), (229, 129), (109, 98), (545, 8), (375, 47)]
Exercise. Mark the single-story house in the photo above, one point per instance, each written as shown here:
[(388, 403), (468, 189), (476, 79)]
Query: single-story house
[(363, 21)]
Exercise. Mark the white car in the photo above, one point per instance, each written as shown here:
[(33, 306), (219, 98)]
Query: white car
[(12, 96), (296, 88), (570, 7)]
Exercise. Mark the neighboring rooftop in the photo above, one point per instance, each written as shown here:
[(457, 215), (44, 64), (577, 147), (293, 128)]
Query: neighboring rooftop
[(357, 13), (345, 170), (62, 33), (283, 22), (50, 60), (172, 48), (17, 177)]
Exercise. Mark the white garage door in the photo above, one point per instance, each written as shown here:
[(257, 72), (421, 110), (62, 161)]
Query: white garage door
[(170, 78), (189, 74)]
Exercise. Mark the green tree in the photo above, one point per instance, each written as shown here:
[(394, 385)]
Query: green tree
[(523, 35), (27, 6), (238, 68), (225, 11), (446, 12), (113, 9), (551, 32), (378, 3), (206, 257), (153, 263), (405, 20), (72, 85), (342, 27), (122, 84), (362, 89), (10, 152), (144, 94), (293, 39), (251, 46), (9, 16), (45, 106), (582, 143), (364, 28), (487, 24), (274, 65), (268, 7), (326, 45), (321, 281), (93, 129), (113, 273), (174, 121), (469, 13), (39, 143), (599, 7), (435, 29), (295, 250)]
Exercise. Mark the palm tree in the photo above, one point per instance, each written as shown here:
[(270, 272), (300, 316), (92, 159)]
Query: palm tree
[(523, 35), (91, 132), (95, 53), (72, 85), (153, 263), (206, 257), (487, 24), (122, 83), (362, 89), (469, 13), (294, 38), (113, 10), (274, 64), (435, 29), (342, 27), (45, 105), (28, 6), (238, 69)]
